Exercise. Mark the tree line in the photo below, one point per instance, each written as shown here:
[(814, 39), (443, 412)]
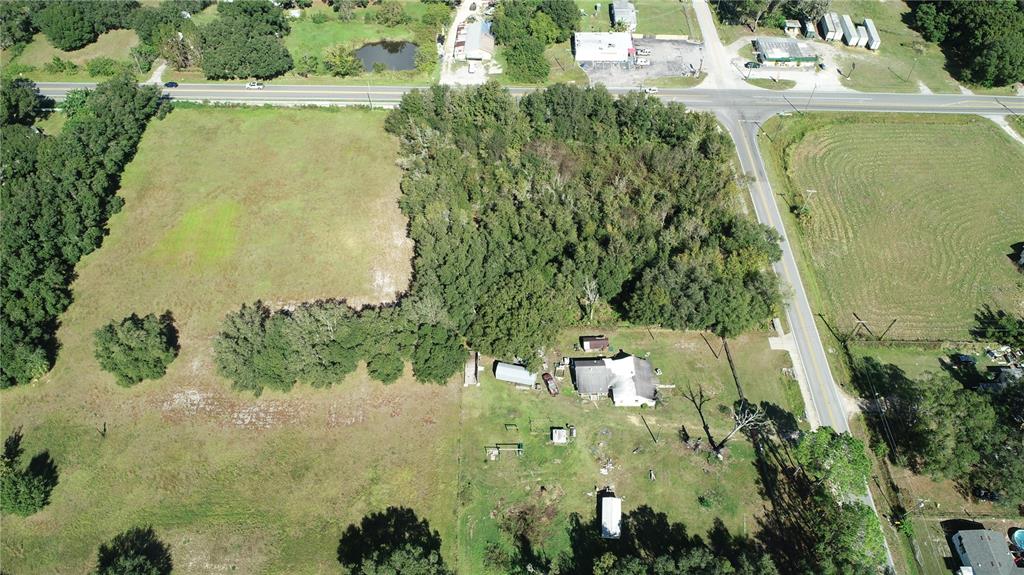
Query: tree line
[(771, 13), (984, 40), (525, 215), (526, 28), (57, 194)]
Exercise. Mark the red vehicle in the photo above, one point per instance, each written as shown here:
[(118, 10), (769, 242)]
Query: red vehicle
[(550, 382)]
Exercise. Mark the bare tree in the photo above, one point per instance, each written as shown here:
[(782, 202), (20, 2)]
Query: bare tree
[(590, 295), (747, 416)]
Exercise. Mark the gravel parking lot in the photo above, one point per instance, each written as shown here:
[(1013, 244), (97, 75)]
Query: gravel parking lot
[(668, 58)]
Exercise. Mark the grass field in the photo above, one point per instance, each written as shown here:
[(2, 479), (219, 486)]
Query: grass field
[(224, 206), (116, 44), (1017, 122), (678, 81), (561, 479), (771, 84), (667, 17), (563, 65), (910, 217), (592, 20)]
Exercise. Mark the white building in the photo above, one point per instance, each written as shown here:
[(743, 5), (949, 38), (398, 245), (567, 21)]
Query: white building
[(831, 29), (850, 35), (611, 517), (874, 39), (862, 36), (479, 43), (516, 374), (602, 46), (624, 12)]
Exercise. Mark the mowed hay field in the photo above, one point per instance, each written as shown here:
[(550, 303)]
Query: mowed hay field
[(912, 218), (224, 206)]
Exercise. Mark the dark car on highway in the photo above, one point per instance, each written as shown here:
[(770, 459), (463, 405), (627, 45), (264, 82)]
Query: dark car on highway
[(752, 65), (170, 84)]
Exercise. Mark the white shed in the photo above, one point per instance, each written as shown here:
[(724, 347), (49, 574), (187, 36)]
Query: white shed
[(874, 39), (831, 29), (611, 517), (862, 36), (516, 374), (850, 35)]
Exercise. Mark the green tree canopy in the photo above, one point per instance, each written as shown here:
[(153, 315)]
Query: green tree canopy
[(24, 491), (137, 551), (137, 348), (837, 460)]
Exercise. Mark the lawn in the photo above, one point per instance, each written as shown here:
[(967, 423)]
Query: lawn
[(116, 44), (771, 83), (53, 123), (560, 480), (678, 81), (563, 65), (224, 206), (594, 19), (910, 217), (1017, 122), (892, 68), (672, 17)]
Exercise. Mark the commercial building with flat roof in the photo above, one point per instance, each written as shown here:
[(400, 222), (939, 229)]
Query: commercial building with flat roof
[(784, 51), (602, 46)]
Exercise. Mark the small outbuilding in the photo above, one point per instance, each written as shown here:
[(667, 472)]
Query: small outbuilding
[(559, 436), (611, 516), (791, 27), (809, 31), (624, 13), (594, 343), (850, 35), (516, 374), (874, 39), (602, 46), (983, 552), (831, 29)]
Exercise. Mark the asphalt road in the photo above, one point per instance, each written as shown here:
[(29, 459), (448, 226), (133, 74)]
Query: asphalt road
[(745, 101)]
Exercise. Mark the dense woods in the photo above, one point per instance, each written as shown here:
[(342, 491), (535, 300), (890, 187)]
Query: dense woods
[(245, 42), (526, 216), (526, 27), (57, 193), (985, 40)]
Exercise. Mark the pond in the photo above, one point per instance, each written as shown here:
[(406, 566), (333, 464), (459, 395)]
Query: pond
[(394, 55)]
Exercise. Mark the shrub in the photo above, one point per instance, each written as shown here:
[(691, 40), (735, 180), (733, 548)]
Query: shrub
[(340, 60), (391, 14), (59, 66), (319, 18), (137, 348), (137, 551), (23, 491), (104, 66)]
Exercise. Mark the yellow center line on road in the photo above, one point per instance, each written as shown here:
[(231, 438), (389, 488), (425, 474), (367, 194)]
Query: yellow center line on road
[(819, 385)]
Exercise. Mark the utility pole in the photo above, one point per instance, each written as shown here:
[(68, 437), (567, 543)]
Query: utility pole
[(369, 98), (791, 104), (912, 67), (809, 98)]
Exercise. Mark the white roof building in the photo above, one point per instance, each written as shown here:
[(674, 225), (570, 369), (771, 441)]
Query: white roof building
[(516, 374), (602, 46), (611, 517), (624, 12), (479, 42), (631, 380), (862, 36), (874, 39), (850, 35)]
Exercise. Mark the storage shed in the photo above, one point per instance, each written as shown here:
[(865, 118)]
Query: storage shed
[(624, 12), (611, 517), (602, 46), (862, 36), (594, 342), (516, 374), (559, 436), (874, 39), (850, 35), (831, 29)]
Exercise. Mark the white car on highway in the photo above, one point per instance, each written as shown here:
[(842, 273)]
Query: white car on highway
[(254, 86)]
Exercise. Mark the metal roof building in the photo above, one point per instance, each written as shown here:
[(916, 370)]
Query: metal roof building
[(862, 36), (831, 29), (784, 50), (983, 551), (602, 46), (516, 374), (850, 35), (479, 42), (611, 517), (630, 380), (624, 12), (874, 39)]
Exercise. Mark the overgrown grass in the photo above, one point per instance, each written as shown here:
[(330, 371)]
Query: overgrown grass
[(666, 17), (116, 44), (225, 206), (593, 20), (910, 217)]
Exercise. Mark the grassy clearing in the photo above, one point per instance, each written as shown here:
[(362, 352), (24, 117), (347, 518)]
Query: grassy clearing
[(52, 124), (594, 20), (892, 68), (568, 474), (116, 44), (1017, 123), (666, 17), (224, 206), (771, 83), (898, 230), (678, 81), (563, 65)]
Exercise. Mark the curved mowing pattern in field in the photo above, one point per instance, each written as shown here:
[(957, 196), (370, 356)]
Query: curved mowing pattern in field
[(912, 221)]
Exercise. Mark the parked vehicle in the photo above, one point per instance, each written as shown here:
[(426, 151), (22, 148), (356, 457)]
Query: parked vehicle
[(170, 84), (254, 86), (643, 51), (651, 90), (643, 62), (822, 66), (550, 383), (752, 65)]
